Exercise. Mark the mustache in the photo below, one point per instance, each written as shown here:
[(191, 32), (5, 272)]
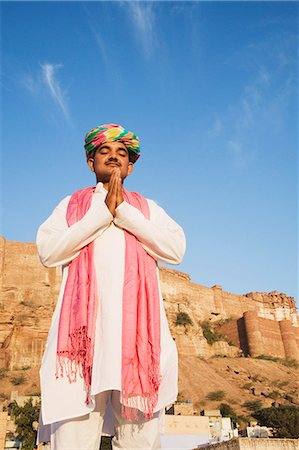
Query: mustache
[(112, 162)]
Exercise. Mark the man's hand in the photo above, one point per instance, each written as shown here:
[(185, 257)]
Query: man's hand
[(114, 196)]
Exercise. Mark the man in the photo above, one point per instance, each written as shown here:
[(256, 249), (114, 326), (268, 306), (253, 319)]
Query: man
[(109, 356)]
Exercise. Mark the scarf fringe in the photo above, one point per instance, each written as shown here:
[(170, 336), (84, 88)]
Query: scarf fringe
[(132, 406), (74, 361), (145, 404)]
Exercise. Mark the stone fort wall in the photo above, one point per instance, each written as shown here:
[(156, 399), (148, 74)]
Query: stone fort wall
[(258, 322), (254, 444), (259, 336)]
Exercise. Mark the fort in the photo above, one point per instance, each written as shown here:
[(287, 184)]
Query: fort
[(252, 324), (257, 323)]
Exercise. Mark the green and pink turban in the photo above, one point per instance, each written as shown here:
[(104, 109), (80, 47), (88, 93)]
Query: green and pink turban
[(112, 132)]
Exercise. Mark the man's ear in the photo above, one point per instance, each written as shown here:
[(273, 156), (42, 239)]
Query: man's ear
[(130, 168), (90, 162)]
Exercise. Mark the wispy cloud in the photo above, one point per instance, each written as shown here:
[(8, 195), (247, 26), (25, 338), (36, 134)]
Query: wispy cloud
[(143, 18), (236, 151), (244, 116), (92, 22), (263, 103), (252, 98), (216, 128), (42, 81), (48, 72), (29, 83), (100, 45)]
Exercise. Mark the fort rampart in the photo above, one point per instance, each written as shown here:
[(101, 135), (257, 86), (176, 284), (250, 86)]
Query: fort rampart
[(254, 444), (259, 336), (257, 323)]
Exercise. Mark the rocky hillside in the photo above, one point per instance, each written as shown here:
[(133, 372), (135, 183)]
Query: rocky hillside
[(205, 382), (205, 322)]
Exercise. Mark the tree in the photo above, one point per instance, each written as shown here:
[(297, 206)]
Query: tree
[(183, 318), (284, 420), (215, 395), (227, 411), (210, 335), (24, 416), (253, 405)]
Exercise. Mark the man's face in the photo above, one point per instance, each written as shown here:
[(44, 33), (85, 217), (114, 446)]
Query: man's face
[(107, 157)]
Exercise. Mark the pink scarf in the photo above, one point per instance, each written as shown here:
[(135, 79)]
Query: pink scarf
[(140, 319)]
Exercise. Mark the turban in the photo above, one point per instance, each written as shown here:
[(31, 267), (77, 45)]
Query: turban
[(111, 133)]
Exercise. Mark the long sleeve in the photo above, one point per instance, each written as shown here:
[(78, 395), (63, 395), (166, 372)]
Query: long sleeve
[(160, 236), (58, 244)]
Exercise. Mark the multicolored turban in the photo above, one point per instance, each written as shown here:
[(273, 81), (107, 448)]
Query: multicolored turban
[(112, 132)]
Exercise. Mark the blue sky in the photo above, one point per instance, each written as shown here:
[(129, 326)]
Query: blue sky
[(211, 90)]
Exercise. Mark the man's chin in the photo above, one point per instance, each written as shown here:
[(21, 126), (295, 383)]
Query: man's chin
[(103, 179)]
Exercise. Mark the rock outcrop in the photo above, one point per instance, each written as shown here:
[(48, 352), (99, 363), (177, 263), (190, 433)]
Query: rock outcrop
[(251, 324), (205, 322)]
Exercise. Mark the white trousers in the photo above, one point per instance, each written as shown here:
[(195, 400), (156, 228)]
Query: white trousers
[(84, 433)]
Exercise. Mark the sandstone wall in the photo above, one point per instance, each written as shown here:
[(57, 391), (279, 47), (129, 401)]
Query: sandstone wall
[(232, 331), (185, 425), (214, 303), (233, 444), (254, 444), (272, 338), (29, 292), (259, 336), (27, 300)]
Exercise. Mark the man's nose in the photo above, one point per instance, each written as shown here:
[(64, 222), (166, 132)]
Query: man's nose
[(113, 157)]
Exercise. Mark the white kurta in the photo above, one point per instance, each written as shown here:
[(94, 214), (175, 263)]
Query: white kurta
[(58, 245)]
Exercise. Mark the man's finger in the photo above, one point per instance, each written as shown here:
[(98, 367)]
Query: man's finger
[(112, 182), (119, 198)]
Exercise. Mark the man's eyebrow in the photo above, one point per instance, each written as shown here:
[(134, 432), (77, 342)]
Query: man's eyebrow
[(123, 148), (107, 146)]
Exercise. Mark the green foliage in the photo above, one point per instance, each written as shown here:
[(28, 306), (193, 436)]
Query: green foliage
[(210, 335), (18, 380), (183, 318), (244, 419), (289, 362), (22, 318), (27, 304), (253, 405), (4, 396), (254, 378), (274, 394), (24, 416), (229, 341), (216, 395), (268, 358), (180, 397), (223, 321), (247, 386), (280, 383), (227, 411), (284, 420), (213, 336), (2, 373)]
